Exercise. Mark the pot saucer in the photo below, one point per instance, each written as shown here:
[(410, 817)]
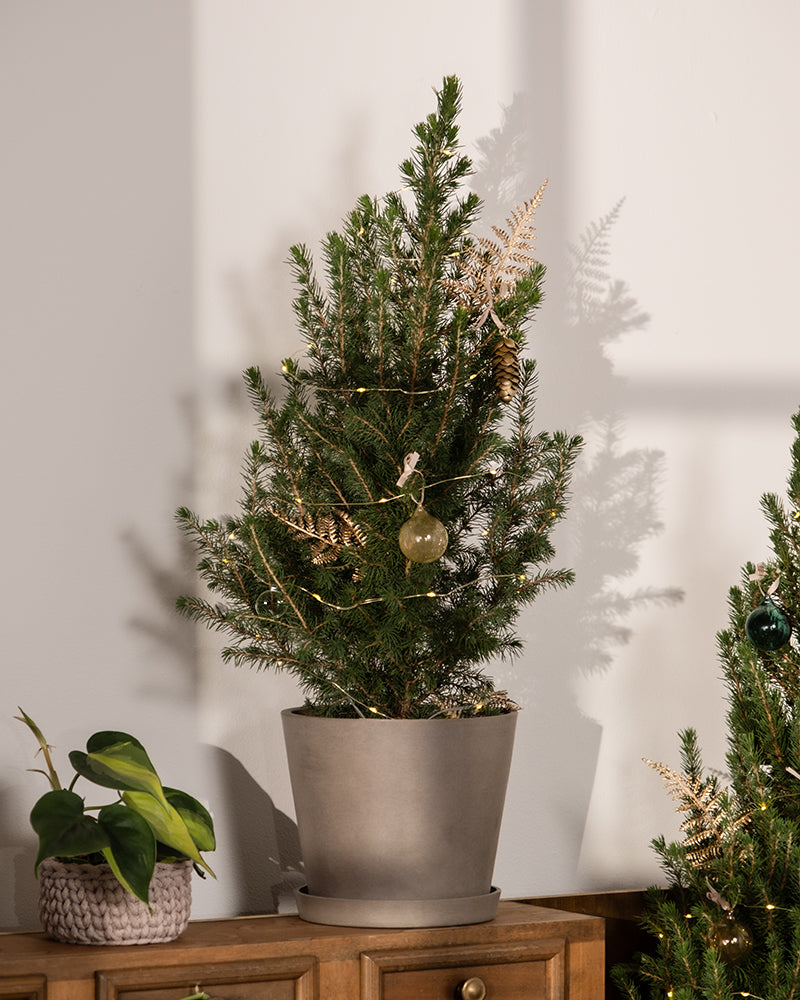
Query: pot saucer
[(396, 912)]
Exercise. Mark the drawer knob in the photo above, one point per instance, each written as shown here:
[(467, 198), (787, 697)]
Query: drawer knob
[(471, 989)]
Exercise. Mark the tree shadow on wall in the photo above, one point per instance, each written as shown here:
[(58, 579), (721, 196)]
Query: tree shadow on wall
[(261, 842), (166, 574), (616, 490), (21, 855), (612, 513)]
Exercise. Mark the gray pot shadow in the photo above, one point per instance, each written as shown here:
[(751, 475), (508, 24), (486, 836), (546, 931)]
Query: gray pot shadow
[(263, 841)]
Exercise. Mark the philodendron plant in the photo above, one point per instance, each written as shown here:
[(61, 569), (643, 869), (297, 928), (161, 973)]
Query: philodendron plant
[(146, 823)]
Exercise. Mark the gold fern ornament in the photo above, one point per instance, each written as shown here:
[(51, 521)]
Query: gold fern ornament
[(708, 829), (327, 533), (491, 267), (488, 272), (468, 703)]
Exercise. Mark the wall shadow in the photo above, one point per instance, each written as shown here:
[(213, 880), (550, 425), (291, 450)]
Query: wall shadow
[(263, 841), (21, 856), (166, 576), (613, 512)]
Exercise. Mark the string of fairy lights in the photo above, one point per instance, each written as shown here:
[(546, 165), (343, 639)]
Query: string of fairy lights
[(287, 368), (493, 472), (277, 589), (285, 591), (412, 597)]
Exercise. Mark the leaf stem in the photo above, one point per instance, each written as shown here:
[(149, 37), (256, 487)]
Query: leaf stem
[(44, 747)]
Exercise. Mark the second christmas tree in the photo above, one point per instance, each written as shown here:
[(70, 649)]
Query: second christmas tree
[(728, 924)]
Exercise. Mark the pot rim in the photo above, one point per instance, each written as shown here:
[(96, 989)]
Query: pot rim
[(87, 867), (302, 711)]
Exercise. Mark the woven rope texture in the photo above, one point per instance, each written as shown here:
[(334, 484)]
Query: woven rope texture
[(85, 904)]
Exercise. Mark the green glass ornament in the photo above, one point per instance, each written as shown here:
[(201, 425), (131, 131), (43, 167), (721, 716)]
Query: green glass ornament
[(768, 627), (731, 939), (423, 538)]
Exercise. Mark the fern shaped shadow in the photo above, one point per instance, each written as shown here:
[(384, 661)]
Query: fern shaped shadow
[(612, 515), (615, 494)]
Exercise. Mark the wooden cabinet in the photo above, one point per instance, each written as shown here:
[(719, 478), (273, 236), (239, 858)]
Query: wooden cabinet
[(527, 952)]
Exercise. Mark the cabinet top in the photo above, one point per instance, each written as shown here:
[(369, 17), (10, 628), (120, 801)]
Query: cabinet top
[(285, 935)]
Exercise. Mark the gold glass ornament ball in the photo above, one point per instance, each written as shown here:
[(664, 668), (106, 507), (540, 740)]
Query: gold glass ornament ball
[(423, 538), (731, 939)]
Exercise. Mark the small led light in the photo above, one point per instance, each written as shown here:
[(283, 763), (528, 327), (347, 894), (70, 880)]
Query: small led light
[(770, 906), (431, 593), (361, 389), (763, 806)]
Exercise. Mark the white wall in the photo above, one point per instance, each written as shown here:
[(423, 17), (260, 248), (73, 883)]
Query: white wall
[(159, 159), (96, 223)]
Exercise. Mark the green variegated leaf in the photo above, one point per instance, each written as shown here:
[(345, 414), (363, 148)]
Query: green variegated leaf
[(63, 829), (86, 769), (131, 850), (108, 738), (167, 825), (196, 817), (97, 743), (122, 765)]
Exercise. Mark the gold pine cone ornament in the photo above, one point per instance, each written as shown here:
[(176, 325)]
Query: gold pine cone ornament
[(506, 367)]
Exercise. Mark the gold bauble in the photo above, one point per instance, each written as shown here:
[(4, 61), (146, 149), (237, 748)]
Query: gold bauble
[(731, 939), (423, 538)]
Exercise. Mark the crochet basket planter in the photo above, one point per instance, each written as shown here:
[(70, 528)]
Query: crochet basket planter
[(85, 904)]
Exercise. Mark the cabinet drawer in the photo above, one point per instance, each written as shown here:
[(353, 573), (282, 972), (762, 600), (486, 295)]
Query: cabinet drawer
[(23, 988), (254, 979), (530, 970)]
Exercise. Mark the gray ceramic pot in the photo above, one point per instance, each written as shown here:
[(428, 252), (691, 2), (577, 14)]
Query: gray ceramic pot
[(398, 819)]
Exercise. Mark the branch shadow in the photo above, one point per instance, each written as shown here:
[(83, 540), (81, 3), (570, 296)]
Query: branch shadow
[(612, 514), (17, 855)]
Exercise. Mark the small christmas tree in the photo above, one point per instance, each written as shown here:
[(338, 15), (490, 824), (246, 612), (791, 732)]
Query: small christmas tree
[(728, 925), (398, 506)]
